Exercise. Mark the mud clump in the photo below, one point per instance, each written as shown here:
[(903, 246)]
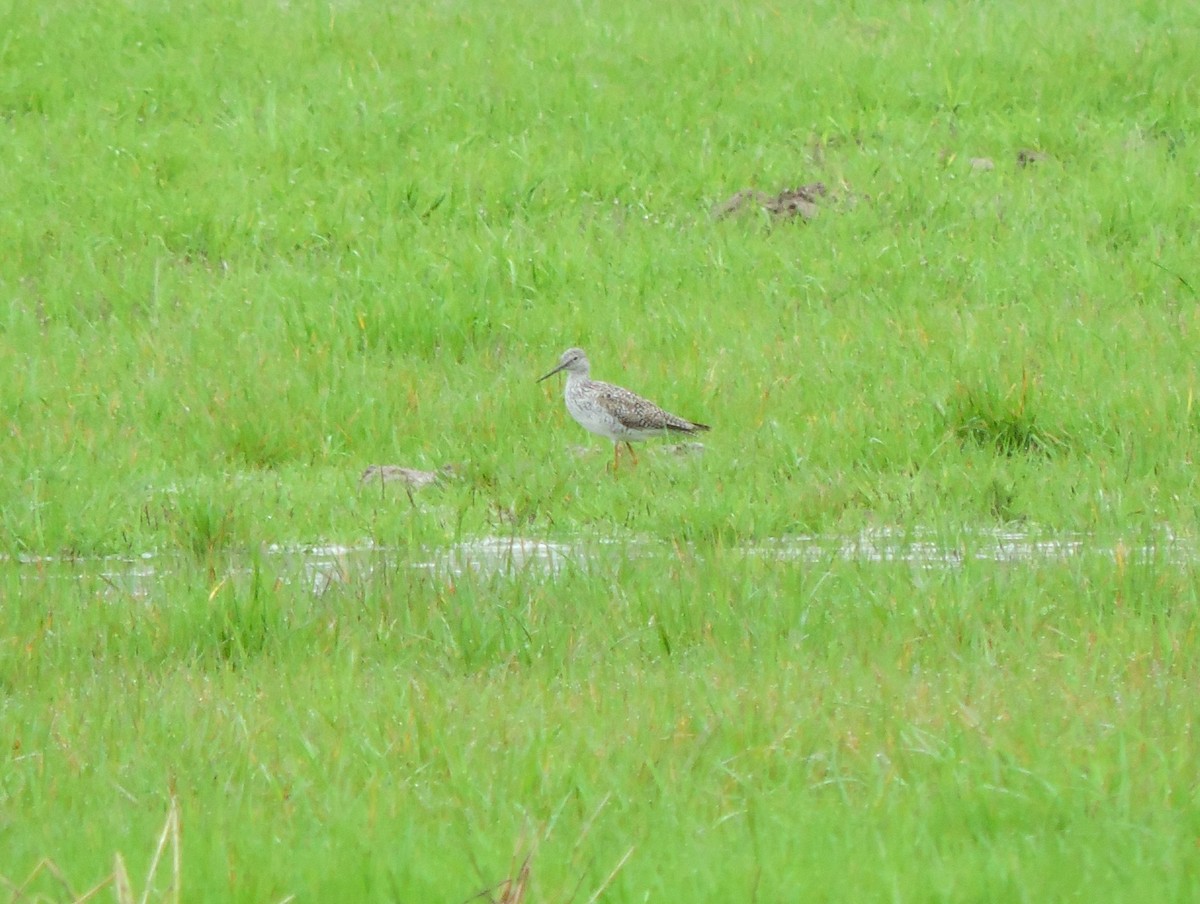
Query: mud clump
[(789, 203)]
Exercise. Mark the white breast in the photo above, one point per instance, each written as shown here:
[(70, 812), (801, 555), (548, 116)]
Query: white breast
[(592, 417)]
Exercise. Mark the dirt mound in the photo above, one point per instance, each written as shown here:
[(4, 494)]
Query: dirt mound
[(791, 202)]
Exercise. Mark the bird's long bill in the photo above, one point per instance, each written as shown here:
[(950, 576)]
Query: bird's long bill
[(549, 375)]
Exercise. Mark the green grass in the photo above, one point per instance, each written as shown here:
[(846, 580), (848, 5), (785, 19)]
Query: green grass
[(745, 725), (251, 249)]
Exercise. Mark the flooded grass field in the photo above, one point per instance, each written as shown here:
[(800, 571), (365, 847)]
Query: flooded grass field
[(309, 591), (680, 712), (321, 567)]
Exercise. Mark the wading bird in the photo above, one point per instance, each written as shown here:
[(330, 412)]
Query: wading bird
[(611, 411)]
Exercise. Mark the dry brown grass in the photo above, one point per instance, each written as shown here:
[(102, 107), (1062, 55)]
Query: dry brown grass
[(47, 870), (47, 883), (514, 890)]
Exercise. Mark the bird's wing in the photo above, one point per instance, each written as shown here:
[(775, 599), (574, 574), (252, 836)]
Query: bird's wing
[(636, 413)]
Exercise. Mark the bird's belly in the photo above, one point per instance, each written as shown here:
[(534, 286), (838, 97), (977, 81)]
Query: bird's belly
[(596, 419)]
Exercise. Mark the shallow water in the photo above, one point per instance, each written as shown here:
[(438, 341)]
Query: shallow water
[(919, 548), (319, 567)]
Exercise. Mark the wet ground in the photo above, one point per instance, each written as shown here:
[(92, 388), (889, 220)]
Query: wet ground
[(319, 567)]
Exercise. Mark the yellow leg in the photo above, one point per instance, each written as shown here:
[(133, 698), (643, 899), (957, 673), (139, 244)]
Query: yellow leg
[(616, 462), (629, 445)]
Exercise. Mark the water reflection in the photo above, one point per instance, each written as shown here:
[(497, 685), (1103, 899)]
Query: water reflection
[(322, 567)]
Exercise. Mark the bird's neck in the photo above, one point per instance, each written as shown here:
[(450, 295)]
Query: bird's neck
[(574, 381)]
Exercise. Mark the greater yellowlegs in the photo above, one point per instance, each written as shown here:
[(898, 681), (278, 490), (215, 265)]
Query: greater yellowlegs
[(611, 411)]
